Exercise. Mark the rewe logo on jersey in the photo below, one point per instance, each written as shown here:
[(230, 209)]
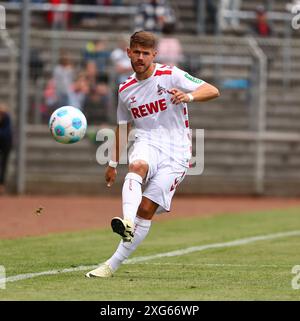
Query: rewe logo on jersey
[(149, 108)]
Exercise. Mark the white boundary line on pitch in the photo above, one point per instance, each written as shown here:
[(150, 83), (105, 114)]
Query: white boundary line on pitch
[(139, 259), (214, 264)]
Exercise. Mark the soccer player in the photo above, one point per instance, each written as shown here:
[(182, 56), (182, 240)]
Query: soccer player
[(155, 99)]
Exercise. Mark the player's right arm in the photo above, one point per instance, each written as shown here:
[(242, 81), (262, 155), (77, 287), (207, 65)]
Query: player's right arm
[(111, 171)]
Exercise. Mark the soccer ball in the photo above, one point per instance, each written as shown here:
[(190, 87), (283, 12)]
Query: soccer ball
[(67, 125)]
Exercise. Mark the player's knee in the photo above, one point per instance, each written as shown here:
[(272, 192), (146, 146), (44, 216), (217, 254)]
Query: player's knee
[(145, 212), (139, 166)]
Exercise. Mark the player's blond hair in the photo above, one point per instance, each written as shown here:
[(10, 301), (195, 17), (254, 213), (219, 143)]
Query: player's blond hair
[(143, 38)]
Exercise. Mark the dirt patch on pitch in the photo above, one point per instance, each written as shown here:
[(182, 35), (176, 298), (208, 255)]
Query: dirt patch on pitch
[(40, 215)]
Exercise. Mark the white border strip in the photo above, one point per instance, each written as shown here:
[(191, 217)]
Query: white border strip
[(138, 259)]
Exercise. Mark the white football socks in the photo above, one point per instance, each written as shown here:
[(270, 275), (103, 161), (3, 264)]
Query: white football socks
[(131, 195), (124, 249)]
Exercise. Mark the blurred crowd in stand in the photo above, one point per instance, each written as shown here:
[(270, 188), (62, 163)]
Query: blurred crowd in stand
[(86, 88), (153, 15), (92, 85)]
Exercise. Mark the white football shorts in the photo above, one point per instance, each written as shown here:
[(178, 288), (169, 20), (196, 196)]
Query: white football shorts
[(163, 176)]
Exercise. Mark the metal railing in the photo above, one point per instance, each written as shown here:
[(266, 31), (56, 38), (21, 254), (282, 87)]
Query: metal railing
[(114, 10), (261, 114)]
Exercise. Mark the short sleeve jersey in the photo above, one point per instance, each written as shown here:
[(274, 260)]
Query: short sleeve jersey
[(158, 121)]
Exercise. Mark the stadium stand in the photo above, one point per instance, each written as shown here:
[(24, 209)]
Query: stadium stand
[(231, 148)]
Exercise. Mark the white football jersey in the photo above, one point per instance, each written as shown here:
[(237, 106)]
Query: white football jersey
[(158, 121)]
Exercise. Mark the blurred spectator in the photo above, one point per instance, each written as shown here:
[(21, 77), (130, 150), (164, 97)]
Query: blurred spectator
[(91, 73), (169, 49), (5, 143), (261, 25), (120, 61), (211, 16), (232, 22), (97, 98), (36, 64), (50, 99), (93, 76), (98, 104), (110, 2), (84, 19), (79, 91), (153, 14), (63, 76), (97, 51), (59, 19), (207, 13)]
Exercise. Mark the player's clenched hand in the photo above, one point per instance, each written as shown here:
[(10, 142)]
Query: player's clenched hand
[(178, 96), (110, 175)]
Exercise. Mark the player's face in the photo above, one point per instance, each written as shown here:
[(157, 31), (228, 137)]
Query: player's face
[(141, 58)]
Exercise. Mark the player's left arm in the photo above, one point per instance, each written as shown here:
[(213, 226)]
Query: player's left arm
[(204, 92)]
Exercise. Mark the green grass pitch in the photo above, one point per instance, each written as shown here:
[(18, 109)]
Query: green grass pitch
[(260, 270)]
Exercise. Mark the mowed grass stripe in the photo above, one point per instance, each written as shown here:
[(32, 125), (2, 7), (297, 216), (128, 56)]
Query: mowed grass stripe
[(180, 252)]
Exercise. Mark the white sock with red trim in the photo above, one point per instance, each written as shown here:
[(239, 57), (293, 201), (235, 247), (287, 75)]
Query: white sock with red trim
[(124, 249), (131, 195)]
